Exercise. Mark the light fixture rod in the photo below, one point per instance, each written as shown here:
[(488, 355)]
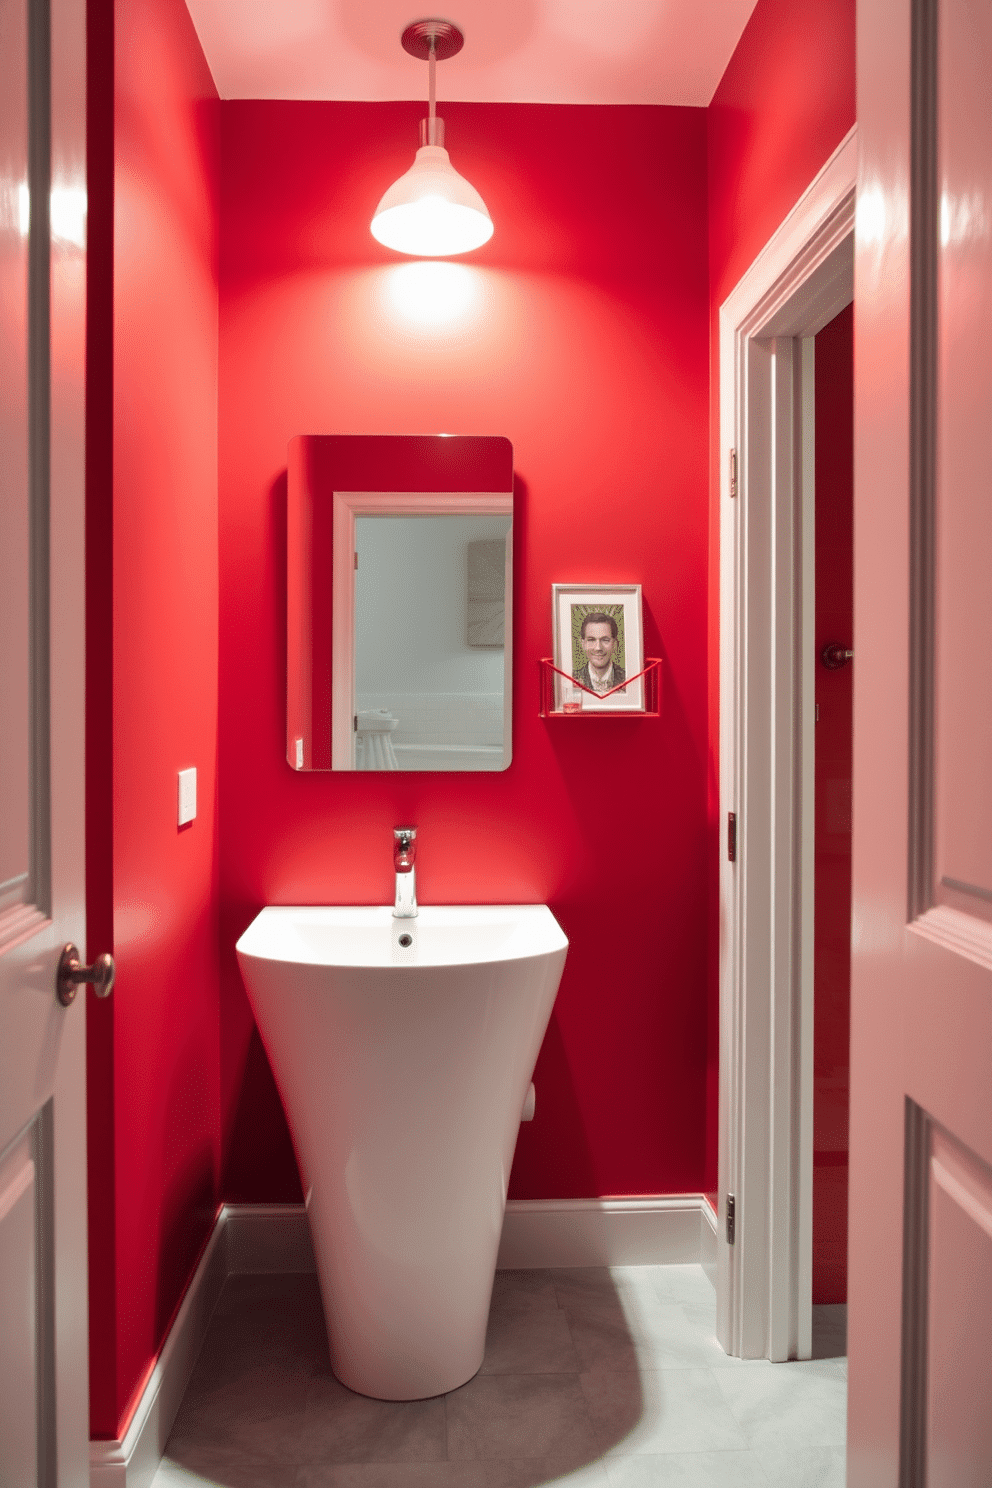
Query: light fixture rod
[(433, 41), (432, 85)]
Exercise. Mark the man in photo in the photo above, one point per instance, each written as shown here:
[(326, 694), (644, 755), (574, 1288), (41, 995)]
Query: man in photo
[(598, 637)]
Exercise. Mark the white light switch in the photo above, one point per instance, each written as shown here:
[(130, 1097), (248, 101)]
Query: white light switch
[(299, 754), (187, 795)]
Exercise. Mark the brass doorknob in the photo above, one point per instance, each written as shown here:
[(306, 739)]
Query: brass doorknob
[(71, 972)]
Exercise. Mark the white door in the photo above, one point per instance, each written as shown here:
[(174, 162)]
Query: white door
[(43, 1315), (920, 1286)]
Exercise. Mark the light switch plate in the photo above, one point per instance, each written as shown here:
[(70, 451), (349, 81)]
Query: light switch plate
[(187, 795)]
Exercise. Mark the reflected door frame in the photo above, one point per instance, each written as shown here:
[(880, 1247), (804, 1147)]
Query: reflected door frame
[(347, 507), (802, 278)]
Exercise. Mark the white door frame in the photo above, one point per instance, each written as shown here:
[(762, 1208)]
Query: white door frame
[(802, 278)]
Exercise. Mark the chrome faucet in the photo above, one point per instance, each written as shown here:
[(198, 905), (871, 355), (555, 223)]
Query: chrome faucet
[(404, 856)]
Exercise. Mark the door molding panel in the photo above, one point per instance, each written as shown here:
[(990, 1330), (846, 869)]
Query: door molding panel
[(935, 316), (947, 1246), (920, 1261), (913, 1387), (797, 284)]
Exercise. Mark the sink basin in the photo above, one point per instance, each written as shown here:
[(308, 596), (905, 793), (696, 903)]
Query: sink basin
[(403, 1050), (460, 935)]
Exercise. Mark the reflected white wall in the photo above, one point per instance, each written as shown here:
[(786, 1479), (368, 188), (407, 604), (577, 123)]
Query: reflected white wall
[(412, 654)]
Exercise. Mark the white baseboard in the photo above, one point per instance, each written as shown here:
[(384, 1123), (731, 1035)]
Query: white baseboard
[(253, 1238), (133, 1461), (707, 1240), (663, 1230)]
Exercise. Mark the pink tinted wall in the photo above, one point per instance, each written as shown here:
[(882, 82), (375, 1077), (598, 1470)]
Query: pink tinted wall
[(152, 677), (580, 334), (783, 105)]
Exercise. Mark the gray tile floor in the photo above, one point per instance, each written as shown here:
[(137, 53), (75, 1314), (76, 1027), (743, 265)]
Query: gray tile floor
[(592, 1378)]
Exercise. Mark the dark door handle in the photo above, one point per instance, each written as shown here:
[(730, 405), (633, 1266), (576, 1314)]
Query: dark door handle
[(71, 972), (834, 655)]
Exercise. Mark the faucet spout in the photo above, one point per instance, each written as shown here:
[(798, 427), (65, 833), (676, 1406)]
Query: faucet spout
[(404, 858)]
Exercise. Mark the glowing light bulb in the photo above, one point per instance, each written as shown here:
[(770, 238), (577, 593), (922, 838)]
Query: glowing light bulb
[(432, 211)]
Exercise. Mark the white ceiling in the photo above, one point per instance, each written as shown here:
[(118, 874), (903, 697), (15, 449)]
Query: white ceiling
[(516, 51)]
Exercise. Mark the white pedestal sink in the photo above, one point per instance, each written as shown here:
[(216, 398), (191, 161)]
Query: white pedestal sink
[(403, 1049)]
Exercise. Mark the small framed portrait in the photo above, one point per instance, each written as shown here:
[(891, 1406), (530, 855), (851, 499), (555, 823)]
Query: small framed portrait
[(599, 643)]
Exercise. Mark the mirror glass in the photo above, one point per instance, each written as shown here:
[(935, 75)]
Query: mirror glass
[(398, 601), (430, 656)]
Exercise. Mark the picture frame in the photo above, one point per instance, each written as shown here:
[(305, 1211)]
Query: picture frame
[(598, 633)]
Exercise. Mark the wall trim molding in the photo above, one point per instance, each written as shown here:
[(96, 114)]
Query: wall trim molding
[(800, 280), (656, 1230), (249, 1239)]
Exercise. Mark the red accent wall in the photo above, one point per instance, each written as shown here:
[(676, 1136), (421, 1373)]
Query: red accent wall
[(834, 382), (153, 1056), (582, 339), (783, 105)]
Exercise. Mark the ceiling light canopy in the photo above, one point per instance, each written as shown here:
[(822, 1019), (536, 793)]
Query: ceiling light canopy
[(432, 211)]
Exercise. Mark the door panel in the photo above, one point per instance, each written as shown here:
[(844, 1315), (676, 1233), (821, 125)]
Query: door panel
[(963, 711), (19, 1383), (959, 1317), (920, 1284), (43, 1334), (15, 847)]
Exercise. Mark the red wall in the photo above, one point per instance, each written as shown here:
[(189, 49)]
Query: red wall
[(585, 344), (783, 105), (152, 676), (834, 382)]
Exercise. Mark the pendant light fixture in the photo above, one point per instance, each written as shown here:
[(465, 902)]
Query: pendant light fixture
[(432, 211)]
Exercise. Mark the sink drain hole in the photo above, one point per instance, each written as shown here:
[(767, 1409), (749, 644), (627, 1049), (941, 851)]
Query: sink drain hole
[(406, 940)]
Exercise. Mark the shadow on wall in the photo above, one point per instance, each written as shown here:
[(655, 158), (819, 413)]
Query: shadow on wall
[(261, 1164), (188, 1201), (562, 1126)]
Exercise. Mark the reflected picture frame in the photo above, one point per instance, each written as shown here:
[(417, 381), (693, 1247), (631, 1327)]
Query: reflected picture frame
[(598, 635)]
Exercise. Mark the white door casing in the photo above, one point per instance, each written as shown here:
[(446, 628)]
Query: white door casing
[(920, 1254), (43, 1281), (798, 283)]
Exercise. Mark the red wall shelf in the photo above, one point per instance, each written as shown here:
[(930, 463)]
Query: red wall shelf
[(652, 693)]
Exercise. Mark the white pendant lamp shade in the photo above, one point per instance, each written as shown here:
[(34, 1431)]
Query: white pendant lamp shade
[(432, 211)]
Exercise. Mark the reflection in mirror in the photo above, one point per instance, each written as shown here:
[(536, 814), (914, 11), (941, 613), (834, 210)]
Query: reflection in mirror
[(422, 682), (424, 695), (430, 670)]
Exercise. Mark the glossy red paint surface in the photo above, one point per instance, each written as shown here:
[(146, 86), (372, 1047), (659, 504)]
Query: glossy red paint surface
[(782, 107), (152, 657), (834, 378), (581, 338)]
